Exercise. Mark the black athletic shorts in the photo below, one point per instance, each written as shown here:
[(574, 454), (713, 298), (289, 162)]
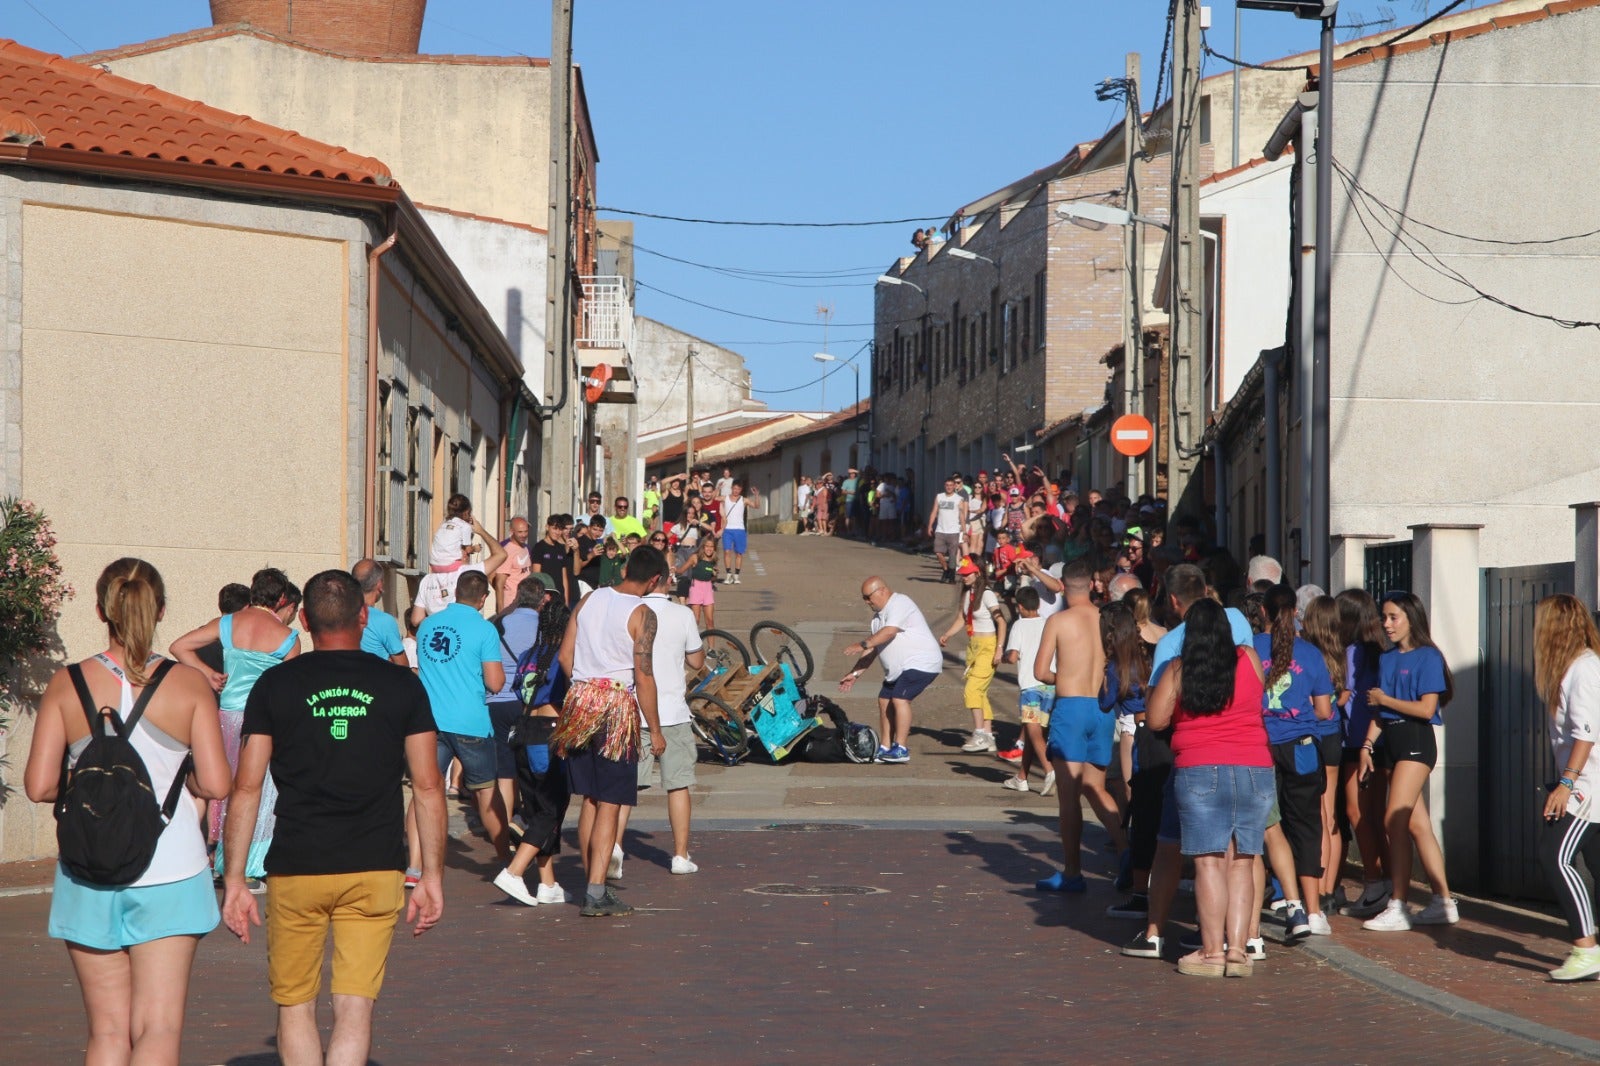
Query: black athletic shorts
[(1331, 747), (1409, 740)]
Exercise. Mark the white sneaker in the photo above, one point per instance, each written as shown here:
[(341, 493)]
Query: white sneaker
[(1015, 784), (737, 580), (614, 867), (1392, 919), (1319, 925), (513, 886), (682, 865), (982, 740), (1255, 949), (1049, 785), (1439, 911), (552, 894), (727, 579)]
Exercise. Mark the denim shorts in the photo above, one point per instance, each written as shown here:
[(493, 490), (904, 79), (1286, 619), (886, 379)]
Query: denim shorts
[(476, 755), (1219, 804)]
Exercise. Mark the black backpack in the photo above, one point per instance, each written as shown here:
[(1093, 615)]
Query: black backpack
[(108, 820)]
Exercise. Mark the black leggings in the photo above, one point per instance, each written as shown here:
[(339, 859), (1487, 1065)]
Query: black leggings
[(1300, 805), (1560, 844), (1144, 813)]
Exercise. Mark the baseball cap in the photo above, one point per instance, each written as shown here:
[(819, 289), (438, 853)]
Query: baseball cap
[(542, 578), (967, 566)]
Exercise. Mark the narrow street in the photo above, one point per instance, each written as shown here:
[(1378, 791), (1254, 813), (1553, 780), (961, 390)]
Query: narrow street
[(843, 913)]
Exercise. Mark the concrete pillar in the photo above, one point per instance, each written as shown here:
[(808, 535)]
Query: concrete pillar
[(1347, 566), (1586, 548), (1446, 577)]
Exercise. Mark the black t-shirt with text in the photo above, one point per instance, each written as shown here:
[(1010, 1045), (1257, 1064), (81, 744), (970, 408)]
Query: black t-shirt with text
[(553, 559), (338, 722)]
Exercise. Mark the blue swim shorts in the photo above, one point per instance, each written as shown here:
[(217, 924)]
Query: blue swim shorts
[(735, 540), (1080, 731)]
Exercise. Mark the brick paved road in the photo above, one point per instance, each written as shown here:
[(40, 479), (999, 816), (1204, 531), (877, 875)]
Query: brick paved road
[(954, 960)]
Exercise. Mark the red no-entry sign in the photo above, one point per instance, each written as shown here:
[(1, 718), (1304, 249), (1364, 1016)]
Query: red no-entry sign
[(1132, 435)]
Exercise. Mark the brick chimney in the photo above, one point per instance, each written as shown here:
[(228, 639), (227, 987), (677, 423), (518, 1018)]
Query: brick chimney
[(360, 27)]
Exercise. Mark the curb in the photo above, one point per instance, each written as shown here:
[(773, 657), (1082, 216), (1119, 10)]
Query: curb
[(1380, 976)]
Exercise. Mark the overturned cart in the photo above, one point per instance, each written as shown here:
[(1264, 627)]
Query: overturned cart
[(757, 693)]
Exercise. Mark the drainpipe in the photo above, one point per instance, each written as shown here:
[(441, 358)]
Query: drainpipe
[(1269, 398), (369, 534)]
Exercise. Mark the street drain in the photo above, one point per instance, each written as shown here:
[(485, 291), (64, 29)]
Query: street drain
[(816, 890), (811, 827)]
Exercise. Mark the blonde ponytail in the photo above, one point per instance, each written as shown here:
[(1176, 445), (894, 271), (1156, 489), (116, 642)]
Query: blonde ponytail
[(132, 595)]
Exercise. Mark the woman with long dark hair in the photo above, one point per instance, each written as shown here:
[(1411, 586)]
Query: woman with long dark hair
[(132, 946), (978, 611), (1319, 624), (1297, 698), (1212, 694), (1414, 685), (1361, 802), (1127, 667)]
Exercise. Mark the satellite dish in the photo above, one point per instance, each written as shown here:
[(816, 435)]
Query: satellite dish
[(594, 385)]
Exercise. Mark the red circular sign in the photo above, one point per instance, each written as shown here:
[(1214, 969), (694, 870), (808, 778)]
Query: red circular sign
[(1132, 435)]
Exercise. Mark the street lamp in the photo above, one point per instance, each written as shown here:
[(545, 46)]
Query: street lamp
[(1099, 216), (962, 253), (890, 279), (824, 357), (1317, 521)]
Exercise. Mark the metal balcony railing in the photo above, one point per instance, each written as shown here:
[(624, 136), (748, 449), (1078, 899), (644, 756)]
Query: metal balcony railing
[(607, 313)]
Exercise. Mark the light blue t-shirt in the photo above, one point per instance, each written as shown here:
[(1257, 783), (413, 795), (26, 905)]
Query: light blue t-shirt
[(382, 635), (1286, 705), (518, 631), (452, 647), (1170, 646)]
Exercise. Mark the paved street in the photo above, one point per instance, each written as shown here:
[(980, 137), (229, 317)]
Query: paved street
[(916, 935)]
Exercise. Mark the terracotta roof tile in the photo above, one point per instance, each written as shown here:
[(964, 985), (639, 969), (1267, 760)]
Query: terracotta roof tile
[(62, 104), (1497, 22)]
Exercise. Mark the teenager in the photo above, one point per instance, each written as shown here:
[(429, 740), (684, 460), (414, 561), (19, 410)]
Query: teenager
[(1319, 624), (1361, 803), (980, 615), (1414, 686)]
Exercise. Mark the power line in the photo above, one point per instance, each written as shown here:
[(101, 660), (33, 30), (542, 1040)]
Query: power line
[(1403, 34), (807, 274), (785, 225), (75, 42), (670, 389), (1398, 213), (777, 321), (758, 276), (1205, 46), (834, 369)]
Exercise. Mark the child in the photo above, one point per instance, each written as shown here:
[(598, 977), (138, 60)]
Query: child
[(1034, 699), (702, 571), (452, 541), (610, 564), (985, 624)]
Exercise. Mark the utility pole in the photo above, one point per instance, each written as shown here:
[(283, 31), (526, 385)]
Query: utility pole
[(1188, 277), (1318, 523), (688, 441), (1132, 270), (558, 472)]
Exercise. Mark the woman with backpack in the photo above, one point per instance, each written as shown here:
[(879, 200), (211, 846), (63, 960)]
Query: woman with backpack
[(132, 898), (518, 626)]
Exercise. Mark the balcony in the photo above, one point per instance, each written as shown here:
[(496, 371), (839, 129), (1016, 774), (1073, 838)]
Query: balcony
[(607, 313)]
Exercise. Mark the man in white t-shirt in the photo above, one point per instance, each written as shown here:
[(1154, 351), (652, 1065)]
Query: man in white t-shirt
[(945, 522), (677, 642), (912, 660), (435, 592), (725, 484), (1046, 582), (802, 503), (735, 539)]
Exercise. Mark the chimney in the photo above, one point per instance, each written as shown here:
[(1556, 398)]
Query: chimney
[(358, 27)]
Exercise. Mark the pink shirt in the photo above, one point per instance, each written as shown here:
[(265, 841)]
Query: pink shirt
[(1235, 736)]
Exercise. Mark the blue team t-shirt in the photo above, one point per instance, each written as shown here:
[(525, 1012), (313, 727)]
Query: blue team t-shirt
[(1361, 675), (518, 631), (452, 647), (1132, 703), (1170, 646), (382, 635), (1411, 675), (1286, 704)]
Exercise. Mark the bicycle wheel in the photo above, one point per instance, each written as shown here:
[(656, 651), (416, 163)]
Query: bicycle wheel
[(774, 642), (716, 723), (723, 650)]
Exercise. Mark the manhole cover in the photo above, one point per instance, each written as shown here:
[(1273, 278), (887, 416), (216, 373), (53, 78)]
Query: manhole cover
[(811, 827), (817, 890)]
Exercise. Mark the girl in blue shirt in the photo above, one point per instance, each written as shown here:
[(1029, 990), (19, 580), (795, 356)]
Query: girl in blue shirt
[(1362, 801), (1319, 624), (1297, 698), (1414, 683)]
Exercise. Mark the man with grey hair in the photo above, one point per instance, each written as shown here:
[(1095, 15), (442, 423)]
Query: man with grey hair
[(1263, 569), (381, 637), (1121, 585)]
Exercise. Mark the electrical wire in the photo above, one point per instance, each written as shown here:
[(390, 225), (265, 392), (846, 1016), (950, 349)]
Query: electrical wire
[(1398, 213), (782, 225), (670, 389), (1403, 34), (757, 318), (75, 42), (837, 366), (1205, 45)]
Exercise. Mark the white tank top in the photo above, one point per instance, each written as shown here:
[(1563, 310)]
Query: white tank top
[(603, 648), (181, 850)]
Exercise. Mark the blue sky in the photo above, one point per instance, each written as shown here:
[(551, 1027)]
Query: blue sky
[(825, 110)]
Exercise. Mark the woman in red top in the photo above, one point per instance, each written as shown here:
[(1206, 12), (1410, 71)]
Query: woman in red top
[(1223, 780)]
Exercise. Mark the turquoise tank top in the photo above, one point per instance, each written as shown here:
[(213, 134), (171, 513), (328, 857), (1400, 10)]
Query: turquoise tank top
[(244, 666)]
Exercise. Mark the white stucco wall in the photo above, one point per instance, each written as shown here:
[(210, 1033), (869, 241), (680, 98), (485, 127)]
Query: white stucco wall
[(721, 380), (1452, 411), (1254, 209)]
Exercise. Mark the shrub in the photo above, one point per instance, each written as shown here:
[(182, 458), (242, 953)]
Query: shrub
[(32, 593)]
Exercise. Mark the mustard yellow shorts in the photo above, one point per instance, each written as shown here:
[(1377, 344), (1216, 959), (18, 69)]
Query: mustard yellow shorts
[(361, 908)]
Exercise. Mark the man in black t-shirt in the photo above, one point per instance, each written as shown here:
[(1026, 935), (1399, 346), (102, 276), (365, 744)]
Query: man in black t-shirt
[(339, 729)]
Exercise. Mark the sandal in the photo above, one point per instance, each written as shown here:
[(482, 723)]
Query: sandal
[(1244, 966), (1199, 964)]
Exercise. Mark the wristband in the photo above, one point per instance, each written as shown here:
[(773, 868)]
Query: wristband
[(1568, 783), (1367, 746)]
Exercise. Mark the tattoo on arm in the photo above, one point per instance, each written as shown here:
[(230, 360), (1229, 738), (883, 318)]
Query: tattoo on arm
[(644, 646)]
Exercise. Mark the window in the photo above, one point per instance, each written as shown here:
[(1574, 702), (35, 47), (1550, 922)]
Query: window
[(419, 482), (1027, 326), (392, 472), (1038, 310), (1008, 337)]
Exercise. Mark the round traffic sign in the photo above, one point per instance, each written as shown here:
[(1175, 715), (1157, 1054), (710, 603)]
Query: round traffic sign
[(1132, 435)]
